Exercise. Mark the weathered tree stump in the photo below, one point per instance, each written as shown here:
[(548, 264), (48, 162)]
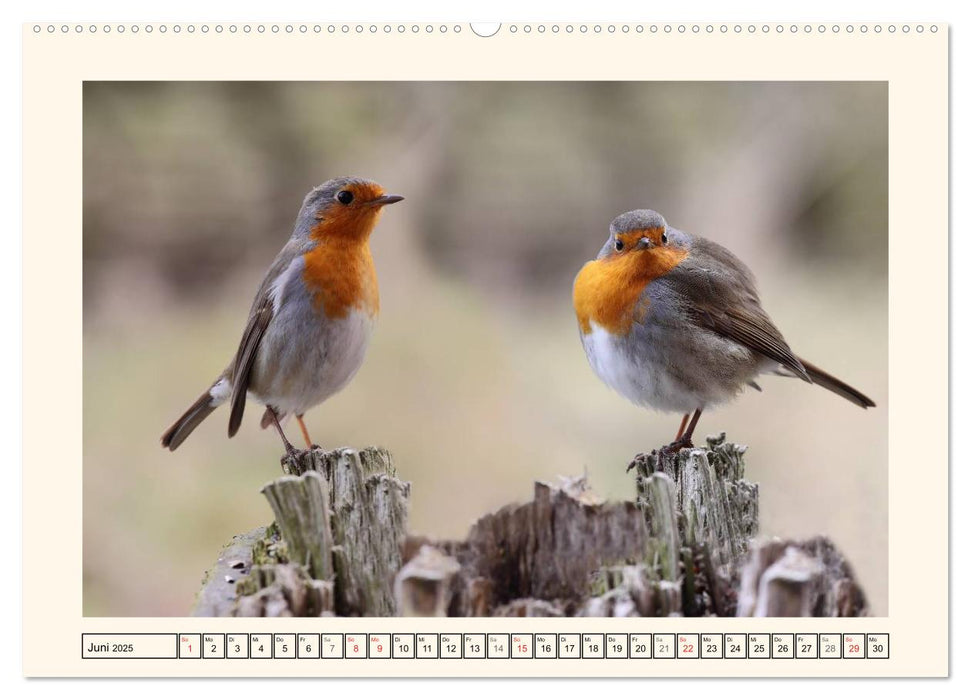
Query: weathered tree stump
[(335, 547), (687, 546)]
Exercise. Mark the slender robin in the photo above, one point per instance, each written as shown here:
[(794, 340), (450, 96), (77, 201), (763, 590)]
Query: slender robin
[(311, 320), (673, 322)]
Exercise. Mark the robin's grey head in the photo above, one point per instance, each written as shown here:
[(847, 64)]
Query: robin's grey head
[(640, 229), (347, 206), (346, 193), (637, 220)]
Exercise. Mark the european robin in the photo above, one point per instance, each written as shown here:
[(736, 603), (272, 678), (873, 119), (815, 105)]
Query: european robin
[(311, 320), (673, 322)]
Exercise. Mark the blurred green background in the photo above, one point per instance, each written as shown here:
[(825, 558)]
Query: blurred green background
[(475, 379)]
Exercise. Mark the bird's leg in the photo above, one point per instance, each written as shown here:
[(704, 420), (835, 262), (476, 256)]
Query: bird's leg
[(306, 435), (684, 422), (684, 437), (291, 450), (680, 440)]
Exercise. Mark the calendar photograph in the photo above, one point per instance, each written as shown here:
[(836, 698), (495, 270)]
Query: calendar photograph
[(485, 349)]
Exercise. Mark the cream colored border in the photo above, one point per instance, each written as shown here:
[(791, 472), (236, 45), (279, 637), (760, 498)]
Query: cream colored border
[(915, 64)]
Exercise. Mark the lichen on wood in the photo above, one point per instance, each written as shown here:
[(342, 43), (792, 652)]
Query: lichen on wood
[(720, 508)]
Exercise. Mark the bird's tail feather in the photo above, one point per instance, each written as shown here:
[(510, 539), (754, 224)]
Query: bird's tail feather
[(837, 386), (189, 421)]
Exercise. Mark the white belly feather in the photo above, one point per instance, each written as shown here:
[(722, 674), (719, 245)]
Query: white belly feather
[(310, 367), (639, 376)]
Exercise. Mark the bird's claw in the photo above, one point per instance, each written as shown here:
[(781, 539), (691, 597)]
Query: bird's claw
[(290, 462), (676, 446)]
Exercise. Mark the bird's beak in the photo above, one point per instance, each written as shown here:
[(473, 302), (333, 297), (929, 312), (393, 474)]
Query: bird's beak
[(645, 242), (386, 199)]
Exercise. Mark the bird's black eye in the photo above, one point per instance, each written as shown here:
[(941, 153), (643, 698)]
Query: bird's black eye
[(618, 245), (345, 196), (664, 238)]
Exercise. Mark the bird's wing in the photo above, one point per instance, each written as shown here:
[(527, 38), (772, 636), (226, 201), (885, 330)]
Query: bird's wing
[(243, 363), (261, 313), (718, 291)]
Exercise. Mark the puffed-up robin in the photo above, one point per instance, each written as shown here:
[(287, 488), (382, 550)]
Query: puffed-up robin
[(673, 322), (311, 320)]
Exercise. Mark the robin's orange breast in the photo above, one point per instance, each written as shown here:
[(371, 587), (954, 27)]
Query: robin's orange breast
[(609, 291), (340, 275)]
